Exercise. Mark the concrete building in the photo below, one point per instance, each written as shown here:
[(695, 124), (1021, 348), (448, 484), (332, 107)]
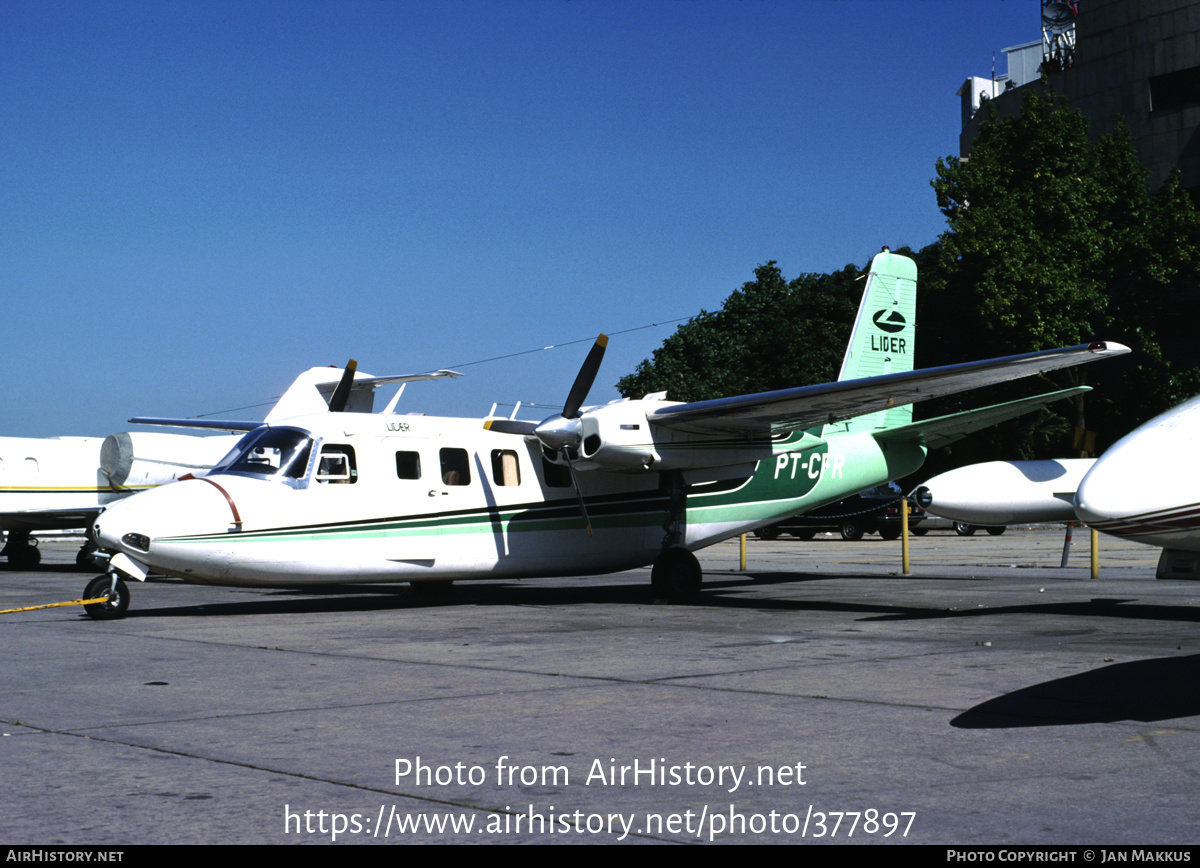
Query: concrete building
[(1137, 59)]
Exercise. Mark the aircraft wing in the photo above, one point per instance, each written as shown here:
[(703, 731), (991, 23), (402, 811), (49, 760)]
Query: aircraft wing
[(47, 519), (807, 406)]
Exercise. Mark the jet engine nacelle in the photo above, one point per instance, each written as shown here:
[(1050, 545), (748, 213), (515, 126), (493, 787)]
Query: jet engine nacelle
[(1006, 492), (138, 459)]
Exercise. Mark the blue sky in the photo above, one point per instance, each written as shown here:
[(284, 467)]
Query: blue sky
[(202, 199)]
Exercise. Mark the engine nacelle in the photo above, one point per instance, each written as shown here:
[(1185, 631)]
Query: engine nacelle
[(618, 436), (139, 459)]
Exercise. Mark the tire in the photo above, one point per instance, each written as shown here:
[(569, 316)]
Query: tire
[(676, 574), (963, 529), (996, 531), (83, 558), (769, 533), (24, 557), (920, 531), (851, 530), (115, 606), (889, 533), (804, 534)]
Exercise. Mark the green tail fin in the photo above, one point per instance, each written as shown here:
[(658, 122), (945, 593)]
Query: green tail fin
[(883, 339)]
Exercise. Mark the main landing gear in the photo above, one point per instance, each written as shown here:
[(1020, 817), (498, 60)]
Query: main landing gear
[(113, 587), (23, 553), (21, 550), (676, 574)]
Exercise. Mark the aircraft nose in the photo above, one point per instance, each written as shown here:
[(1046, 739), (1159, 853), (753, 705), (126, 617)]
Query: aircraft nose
[(1102, 496), (179, 508), (1115, 487)]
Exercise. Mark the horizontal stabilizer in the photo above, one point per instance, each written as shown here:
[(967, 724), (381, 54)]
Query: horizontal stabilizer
[(944, 430), (212, 424), (311, 393)]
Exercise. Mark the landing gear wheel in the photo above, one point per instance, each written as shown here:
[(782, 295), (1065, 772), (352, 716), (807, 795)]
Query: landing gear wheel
[(21, 550), (83, 558), (963, 529), (116, 604), (676, 574), (851, 530), (25, 557)]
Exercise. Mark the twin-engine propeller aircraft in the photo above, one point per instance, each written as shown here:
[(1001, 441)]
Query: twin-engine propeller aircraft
[(62, 483), (1142, 488), (358, 498)]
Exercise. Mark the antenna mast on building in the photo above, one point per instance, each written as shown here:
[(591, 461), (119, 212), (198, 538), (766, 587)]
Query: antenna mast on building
[(1058, 34)]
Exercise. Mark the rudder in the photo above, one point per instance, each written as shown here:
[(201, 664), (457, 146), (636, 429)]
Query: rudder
[(884, 336)]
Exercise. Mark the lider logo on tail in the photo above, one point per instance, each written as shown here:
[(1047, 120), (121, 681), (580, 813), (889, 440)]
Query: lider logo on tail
[(892, 323)]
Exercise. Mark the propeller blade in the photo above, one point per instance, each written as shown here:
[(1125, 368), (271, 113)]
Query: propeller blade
[(587, 521), (585, 378), (510, 426), (341, 395)]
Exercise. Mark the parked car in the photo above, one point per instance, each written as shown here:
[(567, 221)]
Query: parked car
[(963, 529), (876, 510)]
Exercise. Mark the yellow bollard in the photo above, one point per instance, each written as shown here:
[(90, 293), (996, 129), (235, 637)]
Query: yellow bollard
[(904, 535), (1095, 554), (742, 551)]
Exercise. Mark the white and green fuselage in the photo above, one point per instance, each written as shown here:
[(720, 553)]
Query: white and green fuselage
[(357, 497), (505, 512)]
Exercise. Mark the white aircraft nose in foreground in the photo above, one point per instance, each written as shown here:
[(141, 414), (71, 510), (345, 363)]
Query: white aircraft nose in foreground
[(355, 497), (1144, 488)]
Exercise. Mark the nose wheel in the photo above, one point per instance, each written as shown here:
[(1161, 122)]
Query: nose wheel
[(111, 586)]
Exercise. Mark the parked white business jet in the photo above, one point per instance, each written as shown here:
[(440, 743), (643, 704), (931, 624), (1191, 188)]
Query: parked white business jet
[(64, 482), (1144, 488), (383, 498)]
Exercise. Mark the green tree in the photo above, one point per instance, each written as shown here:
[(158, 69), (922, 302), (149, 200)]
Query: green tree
[(770, 334), (1052, 239), (1055, 240)]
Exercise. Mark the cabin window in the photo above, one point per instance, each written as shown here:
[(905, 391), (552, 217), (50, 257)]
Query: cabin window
[(336, 465), (408, 465), (556, 475), (506, 470), (456, 467)]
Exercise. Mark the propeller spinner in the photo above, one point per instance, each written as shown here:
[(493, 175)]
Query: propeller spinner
[(563, 433)]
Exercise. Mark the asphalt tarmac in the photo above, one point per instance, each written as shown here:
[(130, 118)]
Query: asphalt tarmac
[(990, 697)]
